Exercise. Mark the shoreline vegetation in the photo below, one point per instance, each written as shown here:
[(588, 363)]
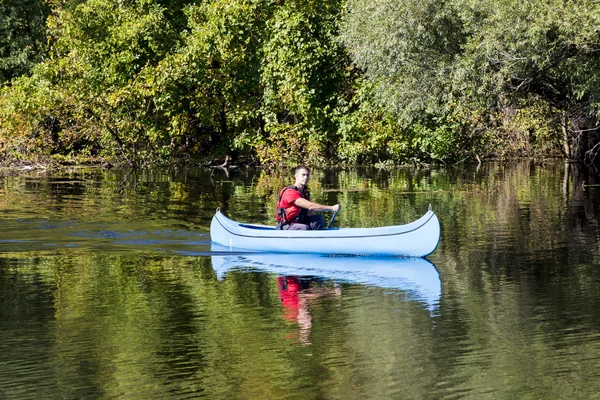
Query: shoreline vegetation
[(275, 83), (15, 167)]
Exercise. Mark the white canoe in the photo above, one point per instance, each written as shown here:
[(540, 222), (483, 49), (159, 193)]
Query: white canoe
[(416, 239)]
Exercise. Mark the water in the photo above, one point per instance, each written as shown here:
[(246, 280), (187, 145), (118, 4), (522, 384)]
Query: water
[(109, 288)]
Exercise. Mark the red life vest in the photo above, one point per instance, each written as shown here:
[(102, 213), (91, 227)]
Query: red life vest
[(292, 213)]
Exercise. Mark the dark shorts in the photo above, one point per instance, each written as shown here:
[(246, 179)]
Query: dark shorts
[(312, 223)]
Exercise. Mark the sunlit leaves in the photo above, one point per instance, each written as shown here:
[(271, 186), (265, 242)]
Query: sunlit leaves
[(272, 81), (149, 82), (476, 61)]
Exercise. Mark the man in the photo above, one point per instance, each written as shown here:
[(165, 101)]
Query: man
[(295, 211)]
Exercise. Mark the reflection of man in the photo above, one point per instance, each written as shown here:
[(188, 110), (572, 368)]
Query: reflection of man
[(289, 287), (296, 295)]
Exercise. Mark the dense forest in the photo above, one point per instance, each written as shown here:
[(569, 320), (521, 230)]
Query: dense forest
[(288, 81)]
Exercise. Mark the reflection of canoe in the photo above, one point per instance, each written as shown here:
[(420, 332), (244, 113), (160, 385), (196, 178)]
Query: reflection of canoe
[(417, 276), (417, 239)]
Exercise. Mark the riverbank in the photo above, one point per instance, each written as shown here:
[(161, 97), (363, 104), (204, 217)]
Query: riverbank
[(13, 166)]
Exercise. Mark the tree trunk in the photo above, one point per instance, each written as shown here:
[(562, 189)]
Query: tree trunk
[(566, 139)]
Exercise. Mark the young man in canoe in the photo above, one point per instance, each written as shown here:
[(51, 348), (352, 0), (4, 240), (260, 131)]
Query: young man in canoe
[(295, 211)]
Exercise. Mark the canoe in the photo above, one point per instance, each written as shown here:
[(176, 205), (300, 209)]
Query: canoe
[(417, 278), (416, 239)]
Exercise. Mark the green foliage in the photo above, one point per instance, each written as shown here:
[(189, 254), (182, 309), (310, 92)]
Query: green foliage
[(94, 89), (301, 77), (242, 77), (543, 52), (406, 47), (22, 36), (286, 82), (525, 130), (215, 74), (474, 60), (369, 134)]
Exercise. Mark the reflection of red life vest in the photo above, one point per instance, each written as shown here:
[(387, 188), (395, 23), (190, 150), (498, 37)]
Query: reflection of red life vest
[(289, 286), (287, 212)]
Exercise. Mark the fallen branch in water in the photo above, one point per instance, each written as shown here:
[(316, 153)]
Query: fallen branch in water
[(224, 165), (583, 184)]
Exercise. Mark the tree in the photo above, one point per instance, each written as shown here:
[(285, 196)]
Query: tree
[(90, 97), (545, 51), (22, 36), (477, 61), (303, 72), (149, 82)]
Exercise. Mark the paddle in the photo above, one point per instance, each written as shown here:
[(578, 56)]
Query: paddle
[(332, 218)]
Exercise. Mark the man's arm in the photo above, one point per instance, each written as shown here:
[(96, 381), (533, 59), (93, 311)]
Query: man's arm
[(310, 206)]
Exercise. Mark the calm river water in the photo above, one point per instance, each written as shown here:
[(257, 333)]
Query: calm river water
[(109, 288)]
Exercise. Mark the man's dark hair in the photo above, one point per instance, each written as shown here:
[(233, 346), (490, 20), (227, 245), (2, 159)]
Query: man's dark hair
[(299, 167)]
